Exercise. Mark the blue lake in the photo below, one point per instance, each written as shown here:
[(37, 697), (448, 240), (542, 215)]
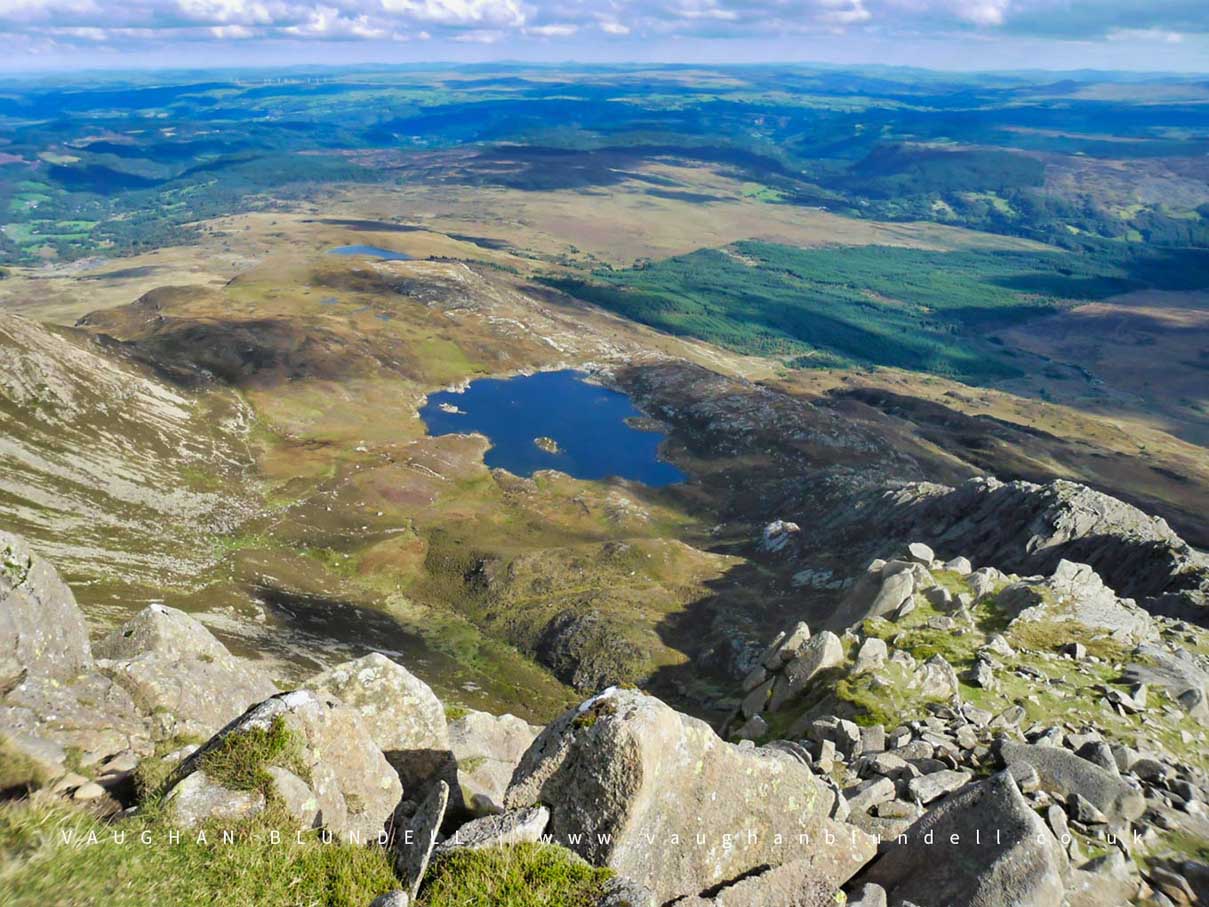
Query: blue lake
[(585, 420), (370, 251)]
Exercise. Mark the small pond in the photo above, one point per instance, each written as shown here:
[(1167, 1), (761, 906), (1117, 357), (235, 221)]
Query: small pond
[(371, 252), (553, 420)]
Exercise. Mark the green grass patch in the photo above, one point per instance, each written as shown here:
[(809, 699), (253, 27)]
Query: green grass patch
[(1052, 635), (51, 853), (240, 759), (18, 772), (524, 875), (454, 712)]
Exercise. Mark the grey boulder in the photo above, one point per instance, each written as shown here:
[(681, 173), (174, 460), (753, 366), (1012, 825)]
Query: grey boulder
[(1002, 855), (42, 630), (175, 670), (1063, 773), (487, 748), (400, 711), (354, 788), (631, 783)]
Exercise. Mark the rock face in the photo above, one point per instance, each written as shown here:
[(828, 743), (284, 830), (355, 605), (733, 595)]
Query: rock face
[(400, 711), (42, 630), (796, 884), (176, 670), (1014, 862), (586, 650), (355, 789), (1028, 528), (1076, 593), (92, 715), (52, 698), (631, 783), (487, 749)]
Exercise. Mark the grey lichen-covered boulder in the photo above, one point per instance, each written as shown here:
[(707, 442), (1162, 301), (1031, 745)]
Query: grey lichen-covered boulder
[(1062, 772), (790, 885), (821, 653), (176, 671), (1002, 856), (487, 749), (51, 699), (42, 630), (622, 892), (400, 711), (631, 783), (355, 790), (91, 717)]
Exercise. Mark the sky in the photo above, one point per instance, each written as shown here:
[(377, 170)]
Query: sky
[(1147, 35)]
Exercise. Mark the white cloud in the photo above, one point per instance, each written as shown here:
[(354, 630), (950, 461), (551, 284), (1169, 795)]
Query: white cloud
[(982, 12), (233, 32), (1146, 34), (552, 31), (576, 22), (329, 22), (226, 11), (460, 12)]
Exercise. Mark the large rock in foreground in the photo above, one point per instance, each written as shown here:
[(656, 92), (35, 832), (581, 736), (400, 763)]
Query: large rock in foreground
[(1004, 856), (42, 630), (400, 711), (329, 773), (176, 671), (659, 798), (52, 702)]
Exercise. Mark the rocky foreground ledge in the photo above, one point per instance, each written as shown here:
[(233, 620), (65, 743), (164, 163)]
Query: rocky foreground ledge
[(974, 738)]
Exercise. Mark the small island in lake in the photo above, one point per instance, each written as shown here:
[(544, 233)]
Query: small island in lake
[(548, 444)]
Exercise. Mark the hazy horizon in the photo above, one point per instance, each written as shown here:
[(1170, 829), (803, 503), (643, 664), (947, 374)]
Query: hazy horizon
[(1171, 36)]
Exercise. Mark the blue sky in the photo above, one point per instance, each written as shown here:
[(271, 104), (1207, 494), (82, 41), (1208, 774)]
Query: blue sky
[(940, 34)]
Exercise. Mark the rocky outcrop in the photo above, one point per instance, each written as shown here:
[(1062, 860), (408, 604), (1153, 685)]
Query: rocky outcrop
[(983, 846), (42, 630), (400, 711), (585, 650), (629, 783), (178, 673), (1076, 593), (1027, 528), (327, 747), (53, 701)]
